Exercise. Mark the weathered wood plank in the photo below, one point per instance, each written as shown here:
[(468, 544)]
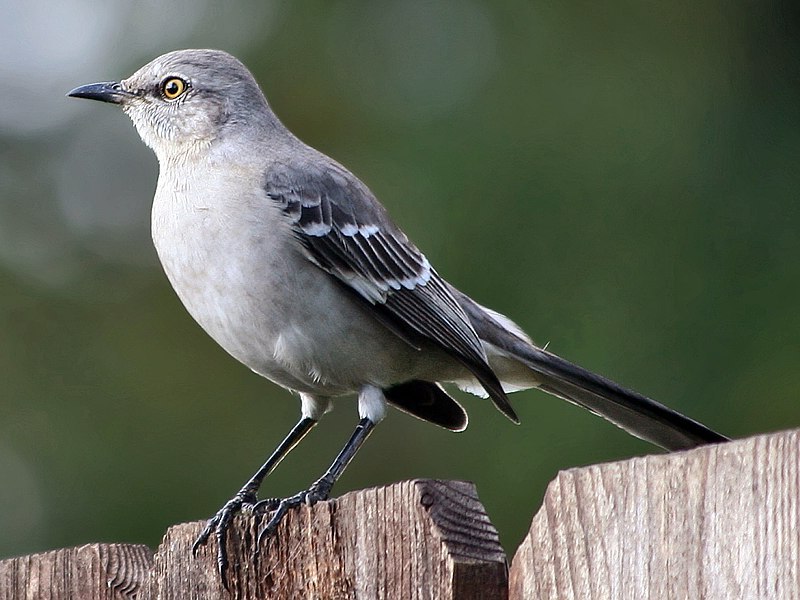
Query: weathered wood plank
[(717, 522), (412, 540), (91, 572)]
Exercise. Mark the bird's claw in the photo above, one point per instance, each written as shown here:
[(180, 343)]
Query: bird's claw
[(265, 506), (219, 525), (245, 500), (316, 493)]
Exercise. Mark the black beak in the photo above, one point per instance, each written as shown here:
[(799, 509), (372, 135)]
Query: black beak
[(107, 91)]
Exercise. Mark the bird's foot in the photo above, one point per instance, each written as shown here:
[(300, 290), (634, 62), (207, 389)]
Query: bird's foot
[(319, 491), (245, 501), (219, 524)]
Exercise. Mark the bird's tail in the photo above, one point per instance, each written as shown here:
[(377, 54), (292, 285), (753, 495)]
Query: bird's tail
[(520, 364)]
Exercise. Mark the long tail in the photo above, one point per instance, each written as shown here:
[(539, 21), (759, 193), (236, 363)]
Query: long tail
[(520, 364)]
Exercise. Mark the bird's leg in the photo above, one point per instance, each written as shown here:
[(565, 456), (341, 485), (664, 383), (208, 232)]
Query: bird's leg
[(320, 489), (220, 522)]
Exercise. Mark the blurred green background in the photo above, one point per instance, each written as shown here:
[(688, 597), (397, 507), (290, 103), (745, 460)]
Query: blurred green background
[(620, 178)]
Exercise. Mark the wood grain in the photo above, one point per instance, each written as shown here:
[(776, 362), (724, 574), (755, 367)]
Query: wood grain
[(91, 572), (411, 540), (714, 523)]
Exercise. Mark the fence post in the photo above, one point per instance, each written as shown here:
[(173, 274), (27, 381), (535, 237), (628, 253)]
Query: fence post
[(91, 572), (717, 522), (410, 540)]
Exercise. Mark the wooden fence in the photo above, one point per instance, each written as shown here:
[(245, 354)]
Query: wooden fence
[(719, 522)]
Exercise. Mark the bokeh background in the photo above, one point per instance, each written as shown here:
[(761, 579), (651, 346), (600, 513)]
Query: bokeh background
[(621, 178)]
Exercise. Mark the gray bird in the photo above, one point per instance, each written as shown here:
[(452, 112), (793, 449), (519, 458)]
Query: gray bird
[(290, 263)]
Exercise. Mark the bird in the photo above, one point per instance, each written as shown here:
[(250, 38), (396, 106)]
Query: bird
[(290, 263)]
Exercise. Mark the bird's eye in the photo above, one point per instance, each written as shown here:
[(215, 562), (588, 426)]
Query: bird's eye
[(172, 87)]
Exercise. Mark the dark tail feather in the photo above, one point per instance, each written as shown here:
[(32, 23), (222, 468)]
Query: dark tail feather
[(636, 414), (627, 409)]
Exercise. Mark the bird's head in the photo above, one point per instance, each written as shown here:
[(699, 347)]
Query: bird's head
[(183, 101)]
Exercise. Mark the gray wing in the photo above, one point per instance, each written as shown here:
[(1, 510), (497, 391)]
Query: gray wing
[(346, 232)]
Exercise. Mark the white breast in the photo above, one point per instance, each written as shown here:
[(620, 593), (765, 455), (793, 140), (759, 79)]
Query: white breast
[(222, 256), (236, 267)]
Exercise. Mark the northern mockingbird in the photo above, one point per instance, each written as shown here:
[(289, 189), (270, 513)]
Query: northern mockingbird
[(290, 263)]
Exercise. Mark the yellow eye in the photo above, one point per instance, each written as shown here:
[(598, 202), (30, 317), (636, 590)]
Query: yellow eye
[(173, 87)]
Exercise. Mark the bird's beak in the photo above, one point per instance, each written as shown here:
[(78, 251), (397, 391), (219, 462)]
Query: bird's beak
[(107, 91)]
